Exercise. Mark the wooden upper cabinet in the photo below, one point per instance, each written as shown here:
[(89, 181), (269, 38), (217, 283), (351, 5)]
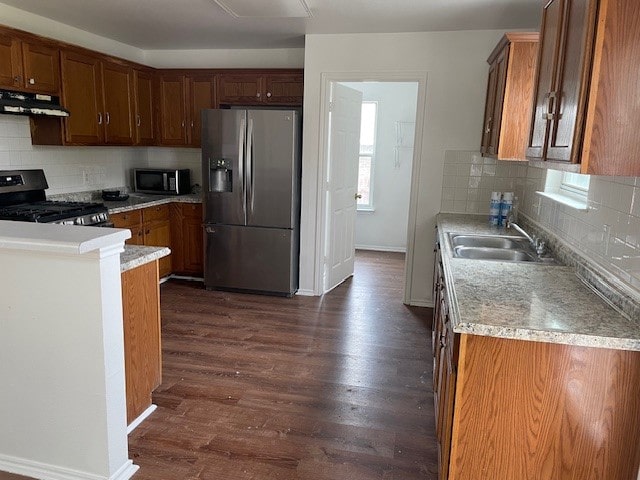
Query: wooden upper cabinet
[(29, 66), (284, 89), (173, 111), (586, 110), (82, 96), (182, 98), (509, 95), (257, 88), (10, 62), (144, 119), (41, 65), (241, 89), (202, 95), (117, 88)]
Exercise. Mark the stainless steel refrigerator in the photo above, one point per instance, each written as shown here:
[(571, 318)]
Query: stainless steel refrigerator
[(251, 180)]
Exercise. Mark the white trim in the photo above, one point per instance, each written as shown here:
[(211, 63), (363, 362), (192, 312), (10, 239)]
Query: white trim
[(141, 418), (389, 76), (575, 203), (420, 303), (306, 293), (44, 471), (364, 209), (380, 248)]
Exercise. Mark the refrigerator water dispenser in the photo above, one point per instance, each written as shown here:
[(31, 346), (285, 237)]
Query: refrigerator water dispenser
[(220, 175)]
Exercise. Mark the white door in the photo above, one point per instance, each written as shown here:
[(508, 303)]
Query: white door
[(342, 183)]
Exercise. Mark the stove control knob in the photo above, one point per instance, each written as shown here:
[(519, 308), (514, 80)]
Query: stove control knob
[(79, 221), (95, 219)]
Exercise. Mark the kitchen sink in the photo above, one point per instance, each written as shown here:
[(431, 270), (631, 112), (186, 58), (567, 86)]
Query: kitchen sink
[(485, 253), (489, 241)]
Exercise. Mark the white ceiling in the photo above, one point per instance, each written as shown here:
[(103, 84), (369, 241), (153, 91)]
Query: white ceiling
[(203, 24)]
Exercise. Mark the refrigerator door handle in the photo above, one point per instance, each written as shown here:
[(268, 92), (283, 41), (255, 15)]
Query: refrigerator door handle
[(241, 162), (250, 168), (209, 229)]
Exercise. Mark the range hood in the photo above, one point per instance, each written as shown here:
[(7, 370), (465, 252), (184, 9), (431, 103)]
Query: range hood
[(18, 103)]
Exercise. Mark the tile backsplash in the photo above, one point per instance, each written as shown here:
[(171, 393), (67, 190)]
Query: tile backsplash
[(608, 233), (78, 169)]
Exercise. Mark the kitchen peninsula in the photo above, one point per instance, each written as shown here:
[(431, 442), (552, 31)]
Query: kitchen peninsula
[(62, 349)]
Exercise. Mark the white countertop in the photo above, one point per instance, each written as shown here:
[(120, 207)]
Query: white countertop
[(54, 238), (527, 301)]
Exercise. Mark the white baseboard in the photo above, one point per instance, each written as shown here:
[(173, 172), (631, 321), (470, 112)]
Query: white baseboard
[(306, 293), (375, 248), (141, 418), (44, 471), (421, 303)]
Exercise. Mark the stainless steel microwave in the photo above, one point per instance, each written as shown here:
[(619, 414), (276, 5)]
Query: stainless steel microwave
[(162, 181)]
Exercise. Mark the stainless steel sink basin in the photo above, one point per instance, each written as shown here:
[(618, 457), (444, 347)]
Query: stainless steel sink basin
[(488, 241), (503, 254)]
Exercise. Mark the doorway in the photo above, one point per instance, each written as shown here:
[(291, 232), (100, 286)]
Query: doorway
[(368, 192)]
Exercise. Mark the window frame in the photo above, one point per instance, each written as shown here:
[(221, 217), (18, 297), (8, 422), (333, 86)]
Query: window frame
[(369, 206)]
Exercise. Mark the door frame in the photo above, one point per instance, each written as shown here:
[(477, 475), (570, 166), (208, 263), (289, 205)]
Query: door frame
[(323, 163)]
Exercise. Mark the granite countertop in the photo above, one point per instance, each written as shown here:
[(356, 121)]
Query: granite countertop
[(527, 301), (143, 200), (135, 256)]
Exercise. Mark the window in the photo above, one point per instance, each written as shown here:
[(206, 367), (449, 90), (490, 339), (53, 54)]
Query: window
[(575, 183), (367, 155), (571, 189)]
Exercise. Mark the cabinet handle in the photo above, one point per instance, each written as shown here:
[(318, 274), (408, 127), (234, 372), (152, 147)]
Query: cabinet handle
[(138, 120), (183, 124), (108, 118), (191, 123), (443, 341), (268, 94), (258, 95), (488, 127), (32, 81), (99, 118), (147, 232), (17, 78), (550, 114)]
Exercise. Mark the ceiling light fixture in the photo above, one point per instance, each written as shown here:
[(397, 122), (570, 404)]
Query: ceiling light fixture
[(273, 8)]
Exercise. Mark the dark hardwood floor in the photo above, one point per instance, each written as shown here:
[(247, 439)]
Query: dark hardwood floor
[(257, 387)]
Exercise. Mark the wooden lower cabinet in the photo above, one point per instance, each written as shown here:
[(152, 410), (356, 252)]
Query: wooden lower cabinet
[(187, 239), (142, 347), (534, 410)]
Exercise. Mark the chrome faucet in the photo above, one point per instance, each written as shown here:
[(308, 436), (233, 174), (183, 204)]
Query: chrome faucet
[(537, 243)]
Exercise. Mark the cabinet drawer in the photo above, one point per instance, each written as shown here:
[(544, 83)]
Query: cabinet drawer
[(126, 219), (159, 212), (193, 210)]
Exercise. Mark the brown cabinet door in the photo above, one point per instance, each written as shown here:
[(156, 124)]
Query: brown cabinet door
[(550, 35), (192, 239), (561, 93), (284, 89), (241, 89), (570, 87), (202, 96), (41, 68), (144, 117), (118, 105), (489, 108), (158, 234), (10, 63), (82, 96), (500, 81), (142, 347), (173, 113)]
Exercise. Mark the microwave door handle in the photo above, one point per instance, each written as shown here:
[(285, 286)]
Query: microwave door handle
[(250, 166), (175, 175), (241, 160), (165, 182)]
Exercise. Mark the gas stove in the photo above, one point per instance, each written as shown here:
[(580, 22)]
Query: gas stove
[(22, 198)]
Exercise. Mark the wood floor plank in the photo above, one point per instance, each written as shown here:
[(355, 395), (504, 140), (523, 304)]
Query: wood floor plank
[(307, 388)]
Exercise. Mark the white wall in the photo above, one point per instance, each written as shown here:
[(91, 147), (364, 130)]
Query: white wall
[(385, 228), (456, 68)]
